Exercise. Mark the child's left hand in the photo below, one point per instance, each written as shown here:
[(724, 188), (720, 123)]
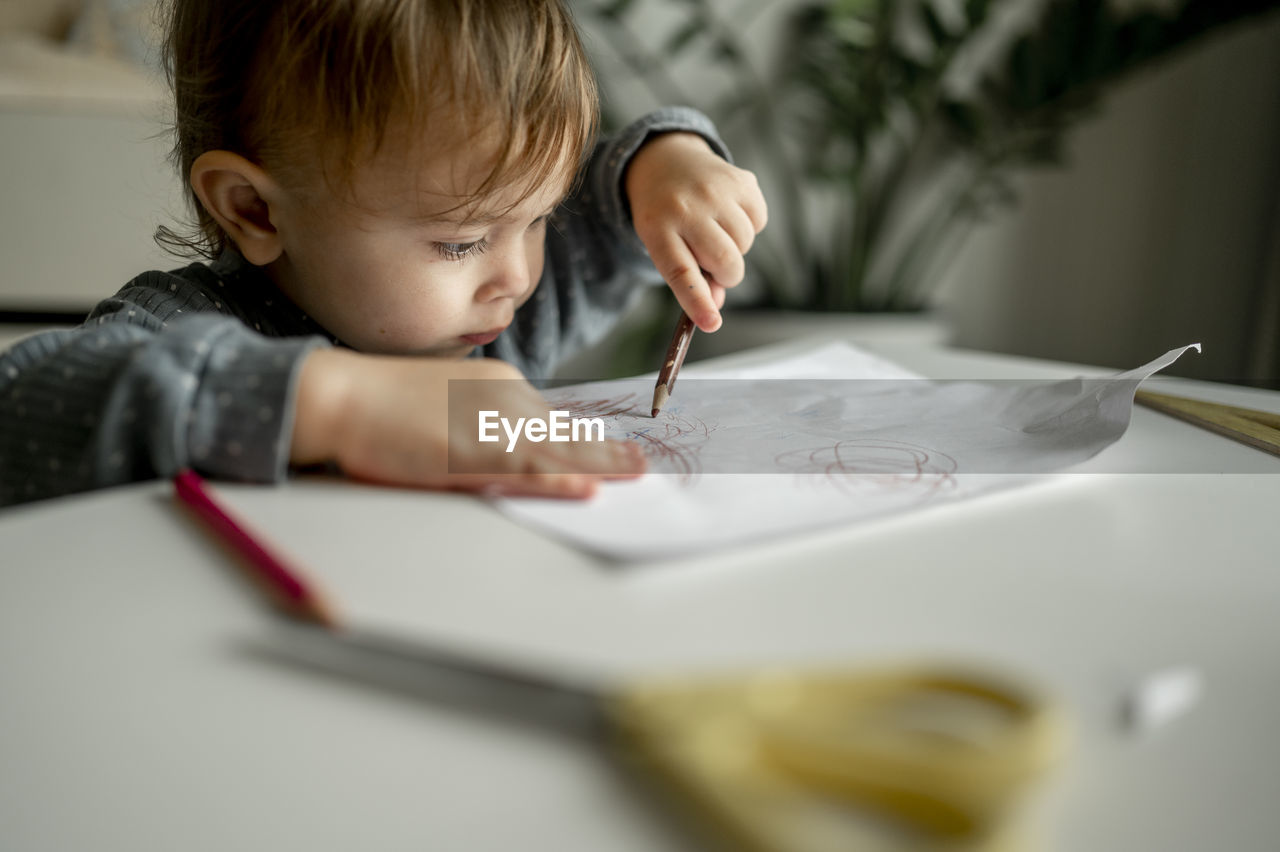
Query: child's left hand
[(697, 215)]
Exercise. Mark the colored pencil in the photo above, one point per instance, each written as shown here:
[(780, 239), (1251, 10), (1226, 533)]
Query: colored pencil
[(283, 584), (671, 364)]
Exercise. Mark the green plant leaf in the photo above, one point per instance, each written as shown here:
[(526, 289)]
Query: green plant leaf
[(846, 112), (964, 121), (938, 32), (684, 36), (724, 49), (975, 12), (1023, 74), (615, 8)]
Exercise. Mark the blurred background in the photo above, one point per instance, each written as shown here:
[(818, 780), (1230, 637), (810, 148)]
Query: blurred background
[(1070, 179), (83, 168), (1085, 181)]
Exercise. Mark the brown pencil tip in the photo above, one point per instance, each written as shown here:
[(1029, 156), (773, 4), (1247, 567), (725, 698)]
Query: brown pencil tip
[(315, 608), (660, 397), (322, 612)]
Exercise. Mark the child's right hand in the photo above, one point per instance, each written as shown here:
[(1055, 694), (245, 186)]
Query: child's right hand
[(388, 419)]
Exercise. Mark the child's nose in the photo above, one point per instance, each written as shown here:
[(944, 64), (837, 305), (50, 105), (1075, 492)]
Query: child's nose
[(507, 278)]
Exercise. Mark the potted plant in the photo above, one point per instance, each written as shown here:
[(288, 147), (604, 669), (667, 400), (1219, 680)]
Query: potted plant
[(883, 130)]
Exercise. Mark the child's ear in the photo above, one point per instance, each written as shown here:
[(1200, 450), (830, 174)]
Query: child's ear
[(236, 193)]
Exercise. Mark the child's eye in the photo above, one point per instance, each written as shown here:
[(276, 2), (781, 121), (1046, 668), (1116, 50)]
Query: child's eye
[(457, 251)]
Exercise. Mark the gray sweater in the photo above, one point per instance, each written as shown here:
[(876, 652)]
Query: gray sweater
[(197, 367)]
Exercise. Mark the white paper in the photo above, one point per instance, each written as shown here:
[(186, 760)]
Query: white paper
[(830, 437)]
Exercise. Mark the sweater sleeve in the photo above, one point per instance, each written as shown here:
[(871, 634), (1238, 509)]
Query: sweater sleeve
[(595, 264), (133, 395)]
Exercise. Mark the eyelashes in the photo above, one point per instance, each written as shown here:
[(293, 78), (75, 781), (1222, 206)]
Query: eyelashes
[(461, 251)]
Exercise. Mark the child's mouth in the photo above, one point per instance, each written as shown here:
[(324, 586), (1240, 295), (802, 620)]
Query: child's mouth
[(484, 337)]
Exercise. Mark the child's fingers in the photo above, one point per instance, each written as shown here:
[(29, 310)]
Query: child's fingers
[(548, 484), (750, 199), (717, 294), (575, 474), (566, 486), (610, 459), (717, 254), (754, 205), (680, 269), (628, 461), (738, 225)]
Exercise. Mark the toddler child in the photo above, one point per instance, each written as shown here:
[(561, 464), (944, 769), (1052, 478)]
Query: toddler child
[(390, 194)]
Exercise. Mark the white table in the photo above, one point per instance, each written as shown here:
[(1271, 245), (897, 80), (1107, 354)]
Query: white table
[(136, 715)]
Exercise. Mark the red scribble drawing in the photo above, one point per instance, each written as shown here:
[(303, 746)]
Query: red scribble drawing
[(673, 441), (670, 441), (614, 407), (857, 464)]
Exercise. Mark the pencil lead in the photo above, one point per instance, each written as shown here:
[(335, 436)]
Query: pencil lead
[(660, 397)]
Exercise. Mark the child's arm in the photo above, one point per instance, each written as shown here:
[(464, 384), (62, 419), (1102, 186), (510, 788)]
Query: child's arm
[(413, 421), (159, 380), (140, 393)]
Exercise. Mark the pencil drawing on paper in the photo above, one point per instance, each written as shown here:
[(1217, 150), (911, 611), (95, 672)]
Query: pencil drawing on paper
[(876, 464), (670, 441), (829, 453), (613, 407), (674, 442), (828, 437)]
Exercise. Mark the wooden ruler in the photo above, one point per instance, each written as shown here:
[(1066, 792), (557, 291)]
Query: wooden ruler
[(1258, 429)]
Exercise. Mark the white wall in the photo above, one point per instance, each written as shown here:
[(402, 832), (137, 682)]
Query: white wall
[(1163, 230), (83, 194), (83, 170)]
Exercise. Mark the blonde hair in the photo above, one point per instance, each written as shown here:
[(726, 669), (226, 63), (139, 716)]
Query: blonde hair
[(287, 83)]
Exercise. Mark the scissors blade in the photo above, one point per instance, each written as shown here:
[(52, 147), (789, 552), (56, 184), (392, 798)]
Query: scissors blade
[(467, 680)]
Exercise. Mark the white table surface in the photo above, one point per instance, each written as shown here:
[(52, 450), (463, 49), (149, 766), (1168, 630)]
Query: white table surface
[(135, 714)]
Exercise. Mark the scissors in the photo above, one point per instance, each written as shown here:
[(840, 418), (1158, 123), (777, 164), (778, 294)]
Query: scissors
[(769, 761)]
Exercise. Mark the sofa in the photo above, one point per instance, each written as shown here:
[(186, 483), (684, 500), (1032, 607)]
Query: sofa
[(83, 156)]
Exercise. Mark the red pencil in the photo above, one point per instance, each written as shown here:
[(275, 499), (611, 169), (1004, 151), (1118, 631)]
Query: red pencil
[(284, 585)]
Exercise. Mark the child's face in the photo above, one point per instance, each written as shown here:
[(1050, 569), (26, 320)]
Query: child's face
[(391, 271)]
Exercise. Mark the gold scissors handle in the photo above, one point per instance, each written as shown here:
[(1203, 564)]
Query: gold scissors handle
[(945, 752)]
